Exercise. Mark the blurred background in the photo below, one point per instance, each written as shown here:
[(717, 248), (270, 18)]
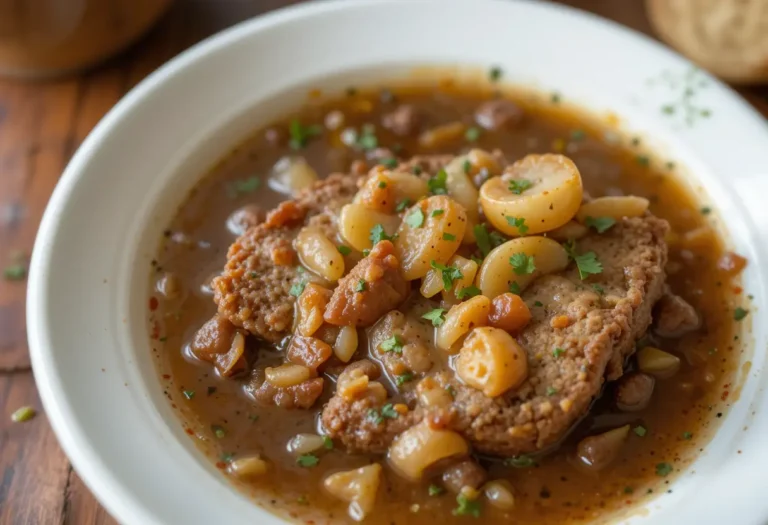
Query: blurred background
[(65, 63)]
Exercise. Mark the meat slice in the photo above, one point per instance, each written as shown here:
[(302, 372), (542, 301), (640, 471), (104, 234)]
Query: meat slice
[(567, 365), (373, 287), (253, 292), (674, 317), (498, 114)]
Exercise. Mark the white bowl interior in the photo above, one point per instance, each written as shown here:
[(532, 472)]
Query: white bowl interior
[(87, 298)]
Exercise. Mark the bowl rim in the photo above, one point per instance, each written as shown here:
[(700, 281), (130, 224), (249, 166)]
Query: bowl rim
[(96, 474)]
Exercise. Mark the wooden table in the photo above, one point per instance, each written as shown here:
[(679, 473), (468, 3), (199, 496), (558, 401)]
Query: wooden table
[(41, 125)]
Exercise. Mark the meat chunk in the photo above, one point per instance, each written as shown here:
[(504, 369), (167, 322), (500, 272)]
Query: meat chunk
[(308, 351), (373, 287), (214, 337), (634, 391), (302, 395), (498, 114), (675, 317), (567, 366), (403, 121), (465, 473), (253, 292)]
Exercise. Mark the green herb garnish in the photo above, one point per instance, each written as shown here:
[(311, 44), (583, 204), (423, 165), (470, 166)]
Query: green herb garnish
[(218, 431), (519, 223), (344, 250), (495, 74), (523, 264), (360, 286), (521, 461), (472, 134), (469, 291), (600, 224), (518, 186), (586, 263), (327, 443), (448, 273), (435, 490), (378, 234), (300, 135), (557, 352), (436, 316), (243, 187), (189, 394), (389, 163), (403, 378), (415, 219), (402, 205), (437, 184), (640, 430), (515, 288), (740, 313), (467, 507), (663, 469), (393, 344), (307, 460), (449, 237), (298, 288)]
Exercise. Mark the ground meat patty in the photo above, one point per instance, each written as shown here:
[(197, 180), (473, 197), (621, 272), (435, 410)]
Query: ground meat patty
[(578, 338), (253, 292)]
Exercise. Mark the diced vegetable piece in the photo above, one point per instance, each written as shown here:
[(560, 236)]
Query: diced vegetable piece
[(441, 135), (597, 452), (247, 467), (545, 190), (461, 188), (509, 312), (310, 308), (433, 282), (356, 222), (657, 362), (497, 274), (291, 175), (634, 391), (305, 443), (378, 193), (407, 186), (492, 361), (500, 494), (461, 319), (421, 446), (432, 394), (310, 352), (287, 375), (357, 487), (614, 207), (346, 343), (319, 254), (417, 247)]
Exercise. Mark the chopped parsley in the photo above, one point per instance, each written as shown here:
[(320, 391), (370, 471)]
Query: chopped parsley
[(472, 134), (515, 288), (448, 273), (388, 411), (740, 313), (551, 391), (367, 139), (521, 461), (522, 264), (15, 272), (403, 378), (189, 394), (519, 223), (344, 250), (237, 188), (389, 163), (449, 237), (307, 460), (218, 431), (437, 184), (495, 74), (378, 234), (518, 186), (300, 134), (469, 291), (374, 416), (327, 443), (643, 160), (437, 213), (483, 239), (628, 490), (393, 344), (640, 430), (435, 490), (402, 205), (599, 289), (450, 390), (538, 303), (211, 390), (663, 469), (555, 98), (227, 457), (706, 210), (382, 184), (302, 500), (586, 263), (687, 435), (297, 289), (360, 286), (416, 170), (557, 352), (466, 166), (436, 316), (415, 219), (467, 507), (600, 224)]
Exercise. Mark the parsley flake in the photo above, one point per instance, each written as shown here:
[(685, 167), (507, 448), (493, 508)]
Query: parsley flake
[(663, 469), (557, 352), (522, 264), (600, 224), (515, 288), (436, 316), (586, 263), (360, 286), (599, 289), (437, 184), (519, 223), (393, 344), (448, 273), (189, 394), (300, 135), (244, 186), (15, 272), (551, 391), (378, 234), (740, 313), (495, 74), (402, 205), (467, 292), (472, 134), (518, 186), (437, 213), (415, 219), (435, 490), (327, 443), (538, 303), (466, 166), (467, 507), (403, 378), (307, 460), (390, 163), (449, 237), (388, 412), (687, 435), (298, 288), (521, 461), (344, 250), (218, 431), (640, 431)]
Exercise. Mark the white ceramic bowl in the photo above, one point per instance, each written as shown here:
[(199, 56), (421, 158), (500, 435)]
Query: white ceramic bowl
[(87, 293)]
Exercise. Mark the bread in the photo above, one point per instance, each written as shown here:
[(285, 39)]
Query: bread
[(727, 37)]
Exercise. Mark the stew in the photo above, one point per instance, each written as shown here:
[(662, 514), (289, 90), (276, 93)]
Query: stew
[(495, 307)]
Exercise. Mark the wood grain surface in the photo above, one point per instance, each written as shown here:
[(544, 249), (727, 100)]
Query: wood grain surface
[(41, 125)]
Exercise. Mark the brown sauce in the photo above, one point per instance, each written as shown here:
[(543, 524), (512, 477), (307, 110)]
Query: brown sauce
[(671, 431)]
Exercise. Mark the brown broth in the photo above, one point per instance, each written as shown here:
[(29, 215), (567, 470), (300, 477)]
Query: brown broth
[(679, 421)]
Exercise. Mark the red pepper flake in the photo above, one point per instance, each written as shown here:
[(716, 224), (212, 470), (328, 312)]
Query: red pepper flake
[(155, 330), (724, 396), (153, 303), (166, 376), (189, 431), (737, 290)]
